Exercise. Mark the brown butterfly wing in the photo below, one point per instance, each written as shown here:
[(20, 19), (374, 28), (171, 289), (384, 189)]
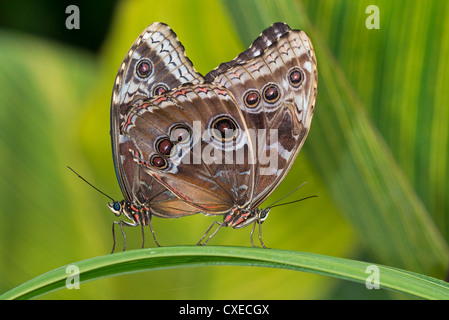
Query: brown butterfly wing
[(199, 170), (275, 85), (271, 87), (155, 63)]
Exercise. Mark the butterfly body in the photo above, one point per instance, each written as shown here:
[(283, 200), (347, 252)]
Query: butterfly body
[(218, 145)]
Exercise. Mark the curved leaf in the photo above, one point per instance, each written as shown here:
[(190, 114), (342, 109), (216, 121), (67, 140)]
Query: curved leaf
[(193, 256)]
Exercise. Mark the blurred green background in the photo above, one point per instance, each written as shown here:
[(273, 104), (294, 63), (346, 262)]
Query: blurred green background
[(376, 156)]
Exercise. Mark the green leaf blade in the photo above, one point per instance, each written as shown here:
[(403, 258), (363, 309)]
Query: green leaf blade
[(410, 283)]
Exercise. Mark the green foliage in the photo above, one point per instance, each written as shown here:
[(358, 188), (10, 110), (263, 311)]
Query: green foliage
[(376, 155), (378, 119), (417, 285)]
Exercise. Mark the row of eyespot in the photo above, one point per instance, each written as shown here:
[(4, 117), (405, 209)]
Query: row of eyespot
[(270, 92), (225, 126), (224, 129)]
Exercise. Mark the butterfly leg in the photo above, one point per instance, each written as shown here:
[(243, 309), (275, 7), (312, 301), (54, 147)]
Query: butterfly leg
[(121, 223), (143, 236), (252, 234), (260, 234), (113, 235), (152, 232), (207, 231)]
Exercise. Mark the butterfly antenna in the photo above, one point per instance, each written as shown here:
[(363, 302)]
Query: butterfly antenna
[(282, 204), (271, 205), (90, 184)]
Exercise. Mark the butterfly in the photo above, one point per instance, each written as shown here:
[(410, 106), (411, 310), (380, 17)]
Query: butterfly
[(220, 144)]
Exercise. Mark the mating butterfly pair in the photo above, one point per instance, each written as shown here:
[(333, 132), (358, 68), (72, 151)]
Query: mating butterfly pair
[(218, 145)]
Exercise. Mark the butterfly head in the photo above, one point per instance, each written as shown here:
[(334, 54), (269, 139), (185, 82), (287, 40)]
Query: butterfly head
[(245, 217), (137, 214), (117, 207), (263, 214)]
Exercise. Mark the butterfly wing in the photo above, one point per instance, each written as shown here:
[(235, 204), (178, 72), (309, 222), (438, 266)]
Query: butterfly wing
[(265, 98), (184, 140), (155, 64), (275, 85)]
